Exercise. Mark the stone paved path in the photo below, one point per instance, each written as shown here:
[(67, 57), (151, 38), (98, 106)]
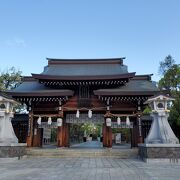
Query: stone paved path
[(88, 144), (86, 169), (97, 145)]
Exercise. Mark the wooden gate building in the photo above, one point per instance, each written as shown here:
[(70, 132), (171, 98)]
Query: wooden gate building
[(69, 89)]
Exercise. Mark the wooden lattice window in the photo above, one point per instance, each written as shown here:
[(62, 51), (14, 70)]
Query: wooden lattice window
[(83, 92), (84, 96)]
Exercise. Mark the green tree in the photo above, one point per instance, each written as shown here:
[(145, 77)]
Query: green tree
[(170, 82), (166, 64), (10, 79), (174, 116), (171, 76), (147, 110)]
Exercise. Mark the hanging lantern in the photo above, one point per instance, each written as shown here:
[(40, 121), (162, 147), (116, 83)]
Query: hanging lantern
[(128, 121), (77, 113), (49, 121), (59, 121), (108, 108), (60, 107), (108, 122), (39, 120), (118, 121), (90, 114)]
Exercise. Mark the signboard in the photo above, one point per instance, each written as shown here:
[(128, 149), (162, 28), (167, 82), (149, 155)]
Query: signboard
[(122, 125), (29, 126), (83, 118), (118, 138), (46, 125)]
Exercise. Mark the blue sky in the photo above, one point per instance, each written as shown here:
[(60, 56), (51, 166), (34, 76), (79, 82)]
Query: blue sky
[(143, 31)]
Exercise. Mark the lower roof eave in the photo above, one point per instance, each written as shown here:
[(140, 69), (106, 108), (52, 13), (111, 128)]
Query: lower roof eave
[(125, 93), (41, 94)]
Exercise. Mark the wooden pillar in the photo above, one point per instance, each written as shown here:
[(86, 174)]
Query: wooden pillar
[(140, 137), (134, 136), (34, 133), (66, 135), (63, 135), (37, 136), (107, 136), (104, 136), (29, 139), (59, 136)]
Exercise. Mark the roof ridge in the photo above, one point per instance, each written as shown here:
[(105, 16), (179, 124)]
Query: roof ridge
[(84, 59)]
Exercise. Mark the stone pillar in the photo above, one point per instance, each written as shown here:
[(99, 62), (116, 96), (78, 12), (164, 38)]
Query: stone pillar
[(29, 139)]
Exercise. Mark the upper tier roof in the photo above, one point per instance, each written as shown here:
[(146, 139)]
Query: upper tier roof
[(83, 67)]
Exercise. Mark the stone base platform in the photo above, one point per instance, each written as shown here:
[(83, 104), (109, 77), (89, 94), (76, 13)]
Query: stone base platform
[(159, 152), (12, 150), (78, 153)]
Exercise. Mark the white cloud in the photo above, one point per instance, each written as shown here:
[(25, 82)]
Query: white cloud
[(16, 42)]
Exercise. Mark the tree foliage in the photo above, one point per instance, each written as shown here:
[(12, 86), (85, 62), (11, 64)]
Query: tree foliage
[(175, 111), (147, 110), (170, 82), (10, 79), (171, 76), (166, 64)]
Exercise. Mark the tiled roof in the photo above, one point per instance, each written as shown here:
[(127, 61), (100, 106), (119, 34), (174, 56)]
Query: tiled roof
[(133, 87), (29, 88)]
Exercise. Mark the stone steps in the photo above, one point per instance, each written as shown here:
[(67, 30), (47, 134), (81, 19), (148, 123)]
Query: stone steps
[(65, 152)]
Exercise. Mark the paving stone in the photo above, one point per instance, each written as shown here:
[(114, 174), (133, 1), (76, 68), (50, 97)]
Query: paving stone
[(101, 168)]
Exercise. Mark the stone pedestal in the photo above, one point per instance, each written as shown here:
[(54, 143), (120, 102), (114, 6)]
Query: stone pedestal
[(160, 152), (12, 150), (161, 144)]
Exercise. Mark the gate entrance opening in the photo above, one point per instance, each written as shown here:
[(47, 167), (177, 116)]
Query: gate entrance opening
[(49, 138), (86, 135)]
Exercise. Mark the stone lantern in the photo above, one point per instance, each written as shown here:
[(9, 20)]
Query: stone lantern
[(7, 134), (160, 131), (9, 146), (161, 144)]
